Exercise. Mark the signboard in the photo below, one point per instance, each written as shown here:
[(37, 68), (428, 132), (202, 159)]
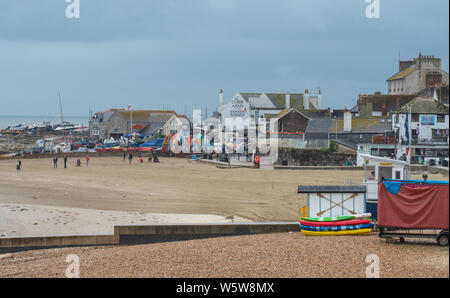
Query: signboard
[(138, 126), (237, 113), (427, 119), (238, 108)]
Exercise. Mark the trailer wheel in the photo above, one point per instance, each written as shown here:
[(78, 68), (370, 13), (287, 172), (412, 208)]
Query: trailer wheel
[(442, 239)]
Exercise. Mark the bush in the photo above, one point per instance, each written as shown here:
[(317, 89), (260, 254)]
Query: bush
[(333, 147)]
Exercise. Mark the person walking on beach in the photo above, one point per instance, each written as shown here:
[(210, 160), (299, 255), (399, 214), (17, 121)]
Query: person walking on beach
[(349, 161), (124, 156), (130, 158), (65, 162), (87, 160), (19, 164), (55, 162)]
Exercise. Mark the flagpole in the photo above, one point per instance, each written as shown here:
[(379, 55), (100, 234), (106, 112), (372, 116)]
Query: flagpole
[(410, 133)]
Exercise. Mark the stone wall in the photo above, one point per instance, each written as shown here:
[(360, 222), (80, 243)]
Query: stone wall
[(299, 157)]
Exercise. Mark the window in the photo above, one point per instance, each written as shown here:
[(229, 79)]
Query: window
[(396, 118), (415, 117), (398, 175), (440, 118), (95, 132), (369, 172)]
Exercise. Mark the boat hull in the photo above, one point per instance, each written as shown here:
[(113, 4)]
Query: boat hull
[(360, 232)]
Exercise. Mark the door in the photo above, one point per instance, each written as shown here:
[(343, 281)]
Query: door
[(384, 172), (371, 183)]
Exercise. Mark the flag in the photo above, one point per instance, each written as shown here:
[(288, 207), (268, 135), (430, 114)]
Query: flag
[(129, 107), (407, 128)]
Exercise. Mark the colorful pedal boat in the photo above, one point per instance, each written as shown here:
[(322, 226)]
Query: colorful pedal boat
[(337, 218), (336, 223), (336, 228), (361, 232)]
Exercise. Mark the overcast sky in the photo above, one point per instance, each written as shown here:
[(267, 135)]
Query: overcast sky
[(178, 54)]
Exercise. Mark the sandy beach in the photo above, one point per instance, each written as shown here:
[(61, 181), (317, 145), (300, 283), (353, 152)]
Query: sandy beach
[(43, 200), (28, 220)]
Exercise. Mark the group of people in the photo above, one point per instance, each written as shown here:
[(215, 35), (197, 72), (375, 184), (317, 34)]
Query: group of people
[(78, 164), (153, 158)]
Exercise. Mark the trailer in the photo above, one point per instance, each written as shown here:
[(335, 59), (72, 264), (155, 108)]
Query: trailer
[(441, 236), (414, 209)]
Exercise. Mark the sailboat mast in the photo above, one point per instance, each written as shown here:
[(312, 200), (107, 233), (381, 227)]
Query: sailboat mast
[(60, 107)]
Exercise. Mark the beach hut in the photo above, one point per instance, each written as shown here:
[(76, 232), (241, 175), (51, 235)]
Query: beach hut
[(333, 200)]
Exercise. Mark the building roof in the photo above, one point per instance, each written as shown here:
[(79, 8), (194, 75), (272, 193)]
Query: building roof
[(425, 105), (146, 116), (285, 112), (361, 125), (402, 74), (319, 125), (381, 102), (278, 100), (441, 93)]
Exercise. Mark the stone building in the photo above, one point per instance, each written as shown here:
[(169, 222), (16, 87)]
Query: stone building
[(416, 75), (116, 123)]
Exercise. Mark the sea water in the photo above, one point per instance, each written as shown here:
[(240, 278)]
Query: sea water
[(6, 121)]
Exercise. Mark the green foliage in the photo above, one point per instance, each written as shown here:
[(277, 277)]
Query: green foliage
[(333, 147)]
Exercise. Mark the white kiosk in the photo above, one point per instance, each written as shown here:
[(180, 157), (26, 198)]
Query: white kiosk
[(375, 169)]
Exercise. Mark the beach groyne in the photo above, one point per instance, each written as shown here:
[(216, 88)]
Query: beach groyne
[(129, 234)]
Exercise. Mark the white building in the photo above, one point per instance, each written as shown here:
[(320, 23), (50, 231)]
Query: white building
[(416, 75), (175, 124), (256, 106), (428, 125)]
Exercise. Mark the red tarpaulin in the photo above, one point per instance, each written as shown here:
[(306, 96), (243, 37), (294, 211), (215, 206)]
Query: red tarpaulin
[(414, 206)]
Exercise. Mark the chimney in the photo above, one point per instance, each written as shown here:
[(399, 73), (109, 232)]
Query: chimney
[(347, 120), (319, 100), (288, 101), (220, 101), (384, 110), (306, 100), (329, 112)]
